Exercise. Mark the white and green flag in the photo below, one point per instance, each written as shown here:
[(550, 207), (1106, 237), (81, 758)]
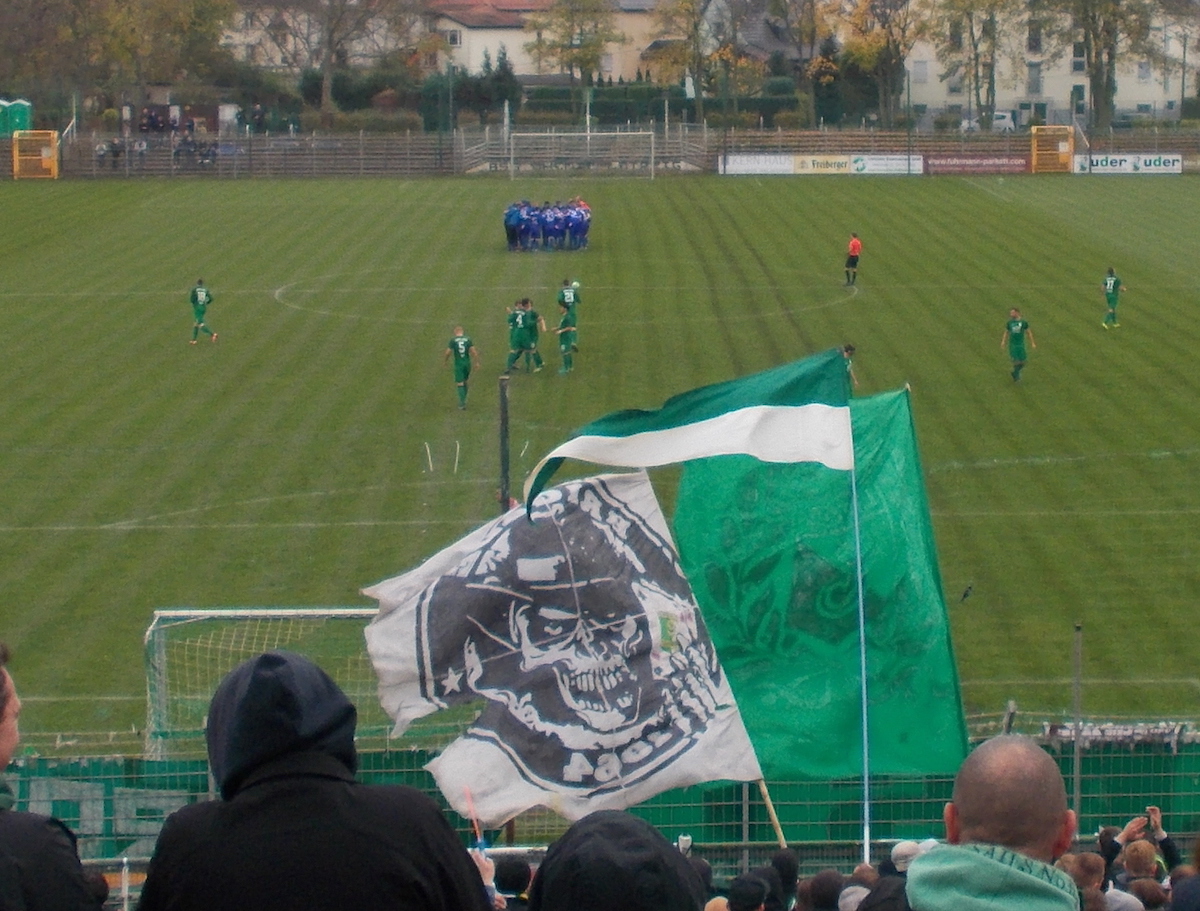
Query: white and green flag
[(794, 413), (803, 529)]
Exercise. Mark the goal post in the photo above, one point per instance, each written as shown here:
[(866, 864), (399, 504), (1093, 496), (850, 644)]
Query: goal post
[(622, 151), (189, 651), (34, 154)]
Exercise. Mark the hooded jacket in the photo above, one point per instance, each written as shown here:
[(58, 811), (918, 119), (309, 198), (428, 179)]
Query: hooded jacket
[(979, 877), (613, 861), (293, 828)]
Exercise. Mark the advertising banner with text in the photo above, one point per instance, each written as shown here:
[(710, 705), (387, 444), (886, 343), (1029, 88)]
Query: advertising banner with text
[(785, 164), (887, 164), (1129, 163), (968, 163)]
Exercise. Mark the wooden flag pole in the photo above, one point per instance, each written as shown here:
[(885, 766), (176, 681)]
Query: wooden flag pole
[(766, 796)]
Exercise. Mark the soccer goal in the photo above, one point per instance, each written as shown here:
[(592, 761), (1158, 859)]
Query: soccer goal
[(189, 651), (627, 152), (34, 154)]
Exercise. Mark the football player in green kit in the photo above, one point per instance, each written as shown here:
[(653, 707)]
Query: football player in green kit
[(569, 294), (201, 297), (566, 337), (516, 334), (1015, 332), (1112, 292), (533, 325), (464, 353)]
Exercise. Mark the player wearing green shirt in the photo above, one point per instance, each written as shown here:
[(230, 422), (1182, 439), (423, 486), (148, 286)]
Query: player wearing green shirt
[(566, 336), (533, 323), (201, 297), (848, 354), (463, 351), (569, 294), (1015, 332), (516, 334), (1112, 292)]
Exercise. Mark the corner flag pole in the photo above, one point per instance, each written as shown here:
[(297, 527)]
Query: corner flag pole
[(862, 670)]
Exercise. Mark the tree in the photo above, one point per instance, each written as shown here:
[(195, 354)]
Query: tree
[(1108, 30), (686, 54), (806, 24), (973, 39), (881, 34), (825, 76), (323, 33), (737, 73), (104, 46), (573, 35)]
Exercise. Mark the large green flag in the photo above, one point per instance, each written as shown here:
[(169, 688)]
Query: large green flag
[(769, 549)]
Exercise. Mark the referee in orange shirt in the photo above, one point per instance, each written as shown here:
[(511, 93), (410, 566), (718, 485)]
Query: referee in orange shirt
[(852, 253)]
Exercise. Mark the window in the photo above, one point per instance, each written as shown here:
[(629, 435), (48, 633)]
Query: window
[(1033, 79), (453, 37), (1145, 109), (606, 64), (1143, 71), (920, 71), (954, 85), (1078, 94), (955, 38), (1079, 57), (1033, 38)]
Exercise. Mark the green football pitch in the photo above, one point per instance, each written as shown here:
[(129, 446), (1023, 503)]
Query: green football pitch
[(316, 447)]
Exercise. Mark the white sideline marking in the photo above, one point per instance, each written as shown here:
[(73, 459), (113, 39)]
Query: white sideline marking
[(235, 526), (1068, 513), (1193, 682), (1016, 461), (25, 698)]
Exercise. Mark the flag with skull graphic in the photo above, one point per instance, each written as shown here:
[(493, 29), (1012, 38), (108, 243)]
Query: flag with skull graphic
[(579, 636)]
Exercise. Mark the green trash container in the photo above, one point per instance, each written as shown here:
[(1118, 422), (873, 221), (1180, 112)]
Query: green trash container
[(20, 116), (5, 130)]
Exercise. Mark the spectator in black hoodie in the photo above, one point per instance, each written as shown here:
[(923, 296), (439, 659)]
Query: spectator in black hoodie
[(293, 829)]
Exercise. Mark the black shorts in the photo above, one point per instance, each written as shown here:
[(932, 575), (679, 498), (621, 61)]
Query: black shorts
[(851, 262)]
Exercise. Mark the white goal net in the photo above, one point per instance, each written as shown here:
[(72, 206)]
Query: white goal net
[(620, 151), (189, 651)]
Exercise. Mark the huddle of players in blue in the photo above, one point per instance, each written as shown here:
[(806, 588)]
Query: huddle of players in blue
[(550, 226)]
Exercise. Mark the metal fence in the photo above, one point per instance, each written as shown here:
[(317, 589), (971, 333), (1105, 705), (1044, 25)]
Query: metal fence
[(116, 804), (639, 151)]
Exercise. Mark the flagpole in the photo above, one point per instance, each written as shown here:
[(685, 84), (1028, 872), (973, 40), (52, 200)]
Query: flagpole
[(862, 670), (774, 817)]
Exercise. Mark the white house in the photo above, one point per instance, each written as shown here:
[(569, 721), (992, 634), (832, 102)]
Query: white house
[(1045, 91)]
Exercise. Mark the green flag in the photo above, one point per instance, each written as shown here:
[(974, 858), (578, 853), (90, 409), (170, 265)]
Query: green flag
[(770, 552), (793, 413)]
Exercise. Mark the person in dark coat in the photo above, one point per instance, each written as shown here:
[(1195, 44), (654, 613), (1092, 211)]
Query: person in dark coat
[(613, 861), (39, 865), (293, 829)]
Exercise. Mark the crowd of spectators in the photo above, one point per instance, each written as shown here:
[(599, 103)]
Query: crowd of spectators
[(550, 226), (293, 828)]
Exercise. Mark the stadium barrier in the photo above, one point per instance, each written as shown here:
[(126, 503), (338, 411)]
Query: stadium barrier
[(117, 804), (681, 147)]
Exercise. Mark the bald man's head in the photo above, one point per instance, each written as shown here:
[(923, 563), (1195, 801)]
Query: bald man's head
[(1009, 792)]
